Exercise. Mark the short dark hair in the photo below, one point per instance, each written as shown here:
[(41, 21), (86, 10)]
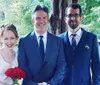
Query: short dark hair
[(39, 7), (10, 27), (74, 6)]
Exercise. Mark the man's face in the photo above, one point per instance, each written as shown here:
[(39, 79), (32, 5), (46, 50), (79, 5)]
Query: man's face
[(73, 18), (40, 21)]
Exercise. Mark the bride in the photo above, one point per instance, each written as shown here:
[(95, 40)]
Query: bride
[(8, 58)]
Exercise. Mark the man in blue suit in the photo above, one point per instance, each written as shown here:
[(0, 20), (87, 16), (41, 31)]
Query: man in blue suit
[(81, 51), (44, 64)]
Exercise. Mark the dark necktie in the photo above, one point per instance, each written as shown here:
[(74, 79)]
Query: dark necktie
[(41, 43), (73, 41)]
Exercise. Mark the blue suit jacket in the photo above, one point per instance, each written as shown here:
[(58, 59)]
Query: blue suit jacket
[(86, 55), (51, 70)]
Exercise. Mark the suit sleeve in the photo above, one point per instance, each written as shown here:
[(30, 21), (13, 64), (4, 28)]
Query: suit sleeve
[(60, 68), (22, 59), (95, 64)]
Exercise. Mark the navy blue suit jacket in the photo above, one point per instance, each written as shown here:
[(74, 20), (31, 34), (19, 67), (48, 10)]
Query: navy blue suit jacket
[(86, 55), (51, 70)]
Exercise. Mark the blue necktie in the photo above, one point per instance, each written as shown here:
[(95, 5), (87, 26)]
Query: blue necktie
[(41, 43), (73, 41)]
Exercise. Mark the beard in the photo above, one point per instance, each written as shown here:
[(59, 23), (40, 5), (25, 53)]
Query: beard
[(73, 24)]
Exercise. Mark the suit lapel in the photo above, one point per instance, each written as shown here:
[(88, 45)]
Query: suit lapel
[(67, 49), (35, 47), (81, 44), (67, 44), (48, 48), (82, 40)]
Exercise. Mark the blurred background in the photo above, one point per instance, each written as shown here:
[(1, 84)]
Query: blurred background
[(19, 13)]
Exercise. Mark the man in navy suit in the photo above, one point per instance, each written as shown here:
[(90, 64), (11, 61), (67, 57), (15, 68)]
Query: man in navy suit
[(81, 51), (44, 66)]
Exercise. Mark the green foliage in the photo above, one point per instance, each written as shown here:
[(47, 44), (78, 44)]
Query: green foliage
[(91, 15), (88, 4), (19, 13), (26, 25)]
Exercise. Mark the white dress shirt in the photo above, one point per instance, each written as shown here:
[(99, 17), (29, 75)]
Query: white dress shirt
[(44, 39), (77, 37)]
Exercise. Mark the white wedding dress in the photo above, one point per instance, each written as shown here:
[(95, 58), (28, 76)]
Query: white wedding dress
[(4, 80)]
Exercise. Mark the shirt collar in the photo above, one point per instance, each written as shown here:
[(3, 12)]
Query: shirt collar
[(79, 33), (44, 35)]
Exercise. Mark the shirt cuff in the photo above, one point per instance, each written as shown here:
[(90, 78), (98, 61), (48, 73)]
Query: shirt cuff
[(44, 83)]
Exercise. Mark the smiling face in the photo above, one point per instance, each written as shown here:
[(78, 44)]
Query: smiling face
[(40, 21), (9, 39), (73, 19)]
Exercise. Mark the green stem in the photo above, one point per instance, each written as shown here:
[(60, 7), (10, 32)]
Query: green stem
[(15, 81)]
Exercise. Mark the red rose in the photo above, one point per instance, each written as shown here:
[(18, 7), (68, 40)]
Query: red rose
[(10, 73), (15, 73), (20, 73)]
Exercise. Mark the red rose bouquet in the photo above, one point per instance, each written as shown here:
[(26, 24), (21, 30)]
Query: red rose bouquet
[(16, 74)]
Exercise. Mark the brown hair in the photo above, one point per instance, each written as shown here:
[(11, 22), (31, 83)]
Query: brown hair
[(10, 27)]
